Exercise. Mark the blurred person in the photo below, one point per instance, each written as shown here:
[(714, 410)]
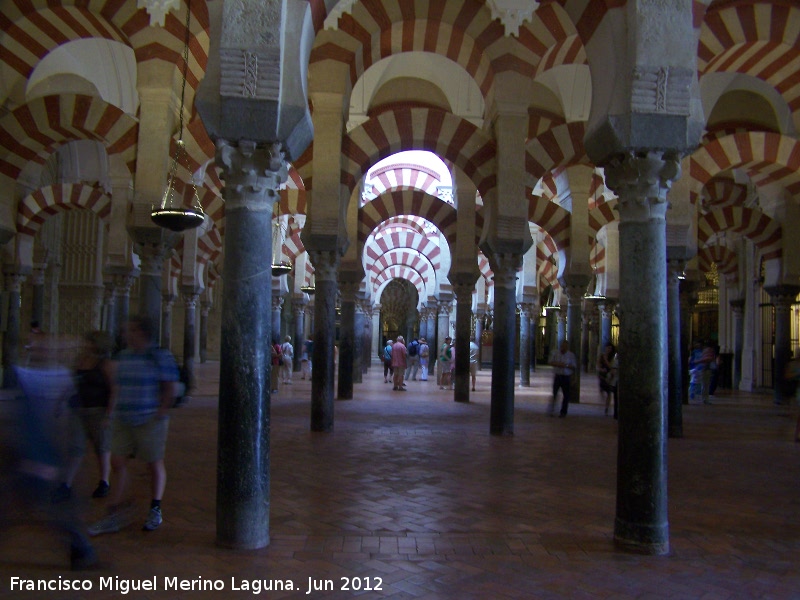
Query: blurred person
[(443, 362), (90, 412), (413, 359), (424, 357), (305, 359), (399, 363), (144, 390), (386, 357), (275, 371), (564, 362), (607, 364), (473, 362), (287, 358)]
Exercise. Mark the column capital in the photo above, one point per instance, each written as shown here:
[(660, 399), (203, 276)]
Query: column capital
[(277, 302), (189, 298), (463, 291), (642, 180), (783, 296), (737, 306), (252, 174), (299, 306), (123, 282), (527, 309), (152, 254), (505, 266), (326, 264), (574, 285), (444, 307)]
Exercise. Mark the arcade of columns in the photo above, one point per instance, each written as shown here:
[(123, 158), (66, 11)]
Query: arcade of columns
[(271, 77)]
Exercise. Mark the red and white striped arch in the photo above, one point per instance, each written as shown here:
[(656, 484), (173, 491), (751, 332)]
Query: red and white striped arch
[(486, 269), (398, 272), (767, 157), (407, 239), (44, 202), (32, 29), (407, 201), (753, 38), (724, 257), (602, 214), (551, 217), (401, 175), (560, 146), (404, 257), (32, 131), (723, 191), (444, 134), (764, 232), (567, 51), (547, 257)]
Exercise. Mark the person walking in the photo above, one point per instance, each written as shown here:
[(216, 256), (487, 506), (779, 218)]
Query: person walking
[(144, 390), (399, 362), (564, 363), (90, 412), (305, 359), (473, 362), (413, 359), (386, 357), (424, 357), (607, 376), (287, 358)]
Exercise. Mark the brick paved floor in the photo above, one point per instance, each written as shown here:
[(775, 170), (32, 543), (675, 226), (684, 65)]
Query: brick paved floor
[(412, 491)]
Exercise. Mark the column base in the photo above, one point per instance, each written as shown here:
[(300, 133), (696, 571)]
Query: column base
[(243, 545), (641, 538)]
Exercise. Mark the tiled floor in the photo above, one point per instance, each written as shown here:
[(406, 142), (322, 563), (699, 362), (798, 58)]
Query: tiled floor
[(412, 494)]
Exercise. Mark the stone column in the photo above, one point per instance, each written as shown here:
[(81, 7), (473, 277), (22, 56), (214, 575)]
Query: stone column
[(737, 306), (152, 257), (642, 181), (122, 302), (326, 265), (423, 322), (190, 296), (675, 389), (575, 289), (443, 309), (433, 338), (527, 310), (463, 289), (108, 323), (277, 306), (359, 339), (11, 337), (366, 345), (479, 316), (606, 314), (167, 301), (347, 323), (688, 299), (561, 327), (205, 307), (299, 309), (252, 176), (782, 297), (505, 267), (37, 303)]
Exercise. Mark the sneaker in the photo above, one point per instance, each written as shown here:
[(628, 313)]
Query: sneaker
[(153, 519), (101, 491), (112, 523)]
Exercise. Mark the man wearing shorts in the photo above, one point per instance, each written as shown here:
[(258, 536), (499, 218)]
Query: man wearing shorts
[(145, 387)]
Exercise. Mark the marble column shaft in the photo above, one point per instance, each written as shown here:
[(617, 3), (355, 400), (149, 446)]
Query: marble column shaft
[(504, 324), (675, 366), (37, 302), (346, 342), (782, 297), (525, 345), (641, 181), (432, 337), (11, 337), (479, 335), (463, 329), (275, 315), (252, 178), (299, 308), (423, 323), (359, 339), (189, 328), (737, 307), (326, 264), (122, 303), (574, 330), (152, 260), (166, 320), (204, 309)]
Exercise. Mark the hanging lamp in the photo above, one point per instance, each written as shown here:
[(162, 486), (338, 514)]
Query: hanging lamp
[(172, 213), (309, 288)]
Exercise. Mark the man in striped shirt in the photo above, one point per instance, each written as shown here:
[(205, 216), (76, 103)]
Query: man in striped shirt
[(145, 389)]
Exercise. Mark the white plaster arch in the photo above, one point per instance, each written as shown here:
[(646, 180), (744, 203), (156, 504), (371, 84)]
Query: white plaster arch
[(109, 66)]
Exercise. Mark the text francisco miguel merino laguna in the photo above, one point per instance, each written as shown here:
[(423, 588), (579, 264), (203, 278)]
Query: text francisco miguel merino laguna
[(198, 584)]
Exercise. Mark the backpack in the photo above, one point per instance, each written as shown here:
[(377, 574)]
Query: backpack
[(413, 347), (387, 353)]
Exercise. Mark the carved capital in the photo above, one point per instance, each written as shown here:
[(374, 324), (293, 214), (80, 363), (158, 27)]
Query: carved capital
[(189, 299), (782, 296), (326, 264), (123, 283), (277, 302), (252, 174), (642, 180), (505, 267), (527, 309), (444, 308)]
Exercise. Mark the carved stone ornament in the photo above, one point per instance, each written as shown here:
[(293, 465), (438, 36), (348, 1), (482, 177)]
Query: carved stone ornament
[(158, 9), (250, 73), (252, 174), (512, 13), (343, 7), (642, 180), (664, 90)]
